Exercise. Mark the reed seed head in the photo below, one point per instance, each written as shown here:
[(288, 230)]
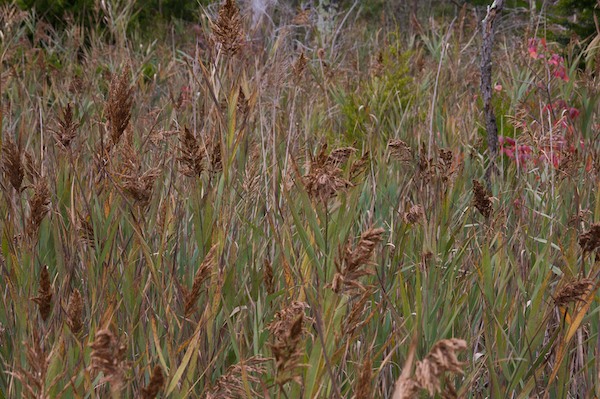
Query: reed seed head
[(590, 240), (107, 357), (67, 128), (228, 28), (232, 384), (441, 358), (39, 206), (44, 298), (575, 291), (193, 155), (12, 163), (400, 151), (156, 384), (481, 199), (202, 274), (75, 312), (415, 214), (118, 106), (353, 258)]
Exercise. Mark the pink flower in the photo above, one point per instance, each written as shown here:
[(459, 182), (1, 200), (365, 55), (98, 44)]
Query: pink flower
[(573, 112), (532, 48), (498, 87)]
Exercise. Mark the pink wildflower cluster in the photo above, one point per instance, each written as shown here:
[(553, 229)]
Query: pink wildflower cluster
[(549, 152), (538, 50)]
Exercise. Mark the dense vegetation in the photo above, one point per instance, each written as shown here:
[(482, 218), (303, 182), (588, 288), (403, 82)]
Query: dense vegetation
[(292, 204)]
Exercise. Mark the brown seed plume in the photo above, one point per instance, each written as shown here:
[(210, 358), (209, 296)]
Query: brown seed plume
[(139, 185), (118, 106), (268, 277), (228, 28), (299, 67), (107, 357), (75, 312), (67, 128), (193, 155), (441, 358), (287, 332), (590, 240), (350, 269), (202, 274), (34, 379), (575, 291), (415, 214), (39, 206), (364, 387), (481, 199), (324, 180), (44, 298), (339, 156), (12, 163), (232, 384), (400, 151), (157, 381)]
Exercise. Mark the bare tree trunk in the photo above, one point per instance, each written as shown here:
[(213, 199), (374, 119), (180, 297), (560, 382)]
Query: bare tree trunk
[(486, 85)]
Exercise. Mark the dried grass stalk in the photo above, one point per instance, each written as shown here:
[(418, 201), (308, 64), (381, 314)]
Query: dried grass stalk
[(481, 199), (590, 240), (44, 298), (202, 274), (350, 269), (12, 163), (118, 106), (156, 384), (228, 28), (231, 385), (108, 354), (39, 206), (298, 68), (75, 312), (268, 277)]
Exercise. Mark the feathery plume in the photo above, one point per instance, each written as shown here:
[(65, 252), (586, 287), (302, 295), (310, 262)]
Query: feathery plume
[(481, 199), (400, 151), (193, 154), (39, 206), (590, 240), (44, 298), (415, 214), (12, 163), (232, 385), (107, 357), (228, 27), (441, 358), (67, 128), (575, 291), (75, 312), (287, 331), (364, 387), (350, 269), (324, 179), (118, 106), (203, 273), (157, 381)]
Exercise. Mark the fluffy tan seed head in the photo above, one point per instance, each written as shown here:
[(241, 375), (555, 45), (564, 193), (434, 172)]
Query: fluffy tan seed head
[(118, 106), (415, 214), (228, 28), (575, 291), (202, 274), (75, 312), (44, 298), (481, 199), (67, 128), (157, 381), (12, 163), (232, 384), (441, 358), (108, 354), (590, 240), (39, 206)]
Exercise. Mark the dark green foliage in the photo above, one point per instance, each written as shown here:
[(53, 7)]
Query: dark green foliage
[(577, 16)]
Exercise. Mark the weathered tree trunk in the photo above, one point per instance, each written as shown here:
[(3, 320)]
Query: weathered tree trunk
[(486, 84)]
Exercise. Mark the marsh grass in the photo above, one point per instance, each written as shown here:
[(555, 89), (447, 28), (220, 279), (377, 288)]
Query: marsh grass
[(259, 216)]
